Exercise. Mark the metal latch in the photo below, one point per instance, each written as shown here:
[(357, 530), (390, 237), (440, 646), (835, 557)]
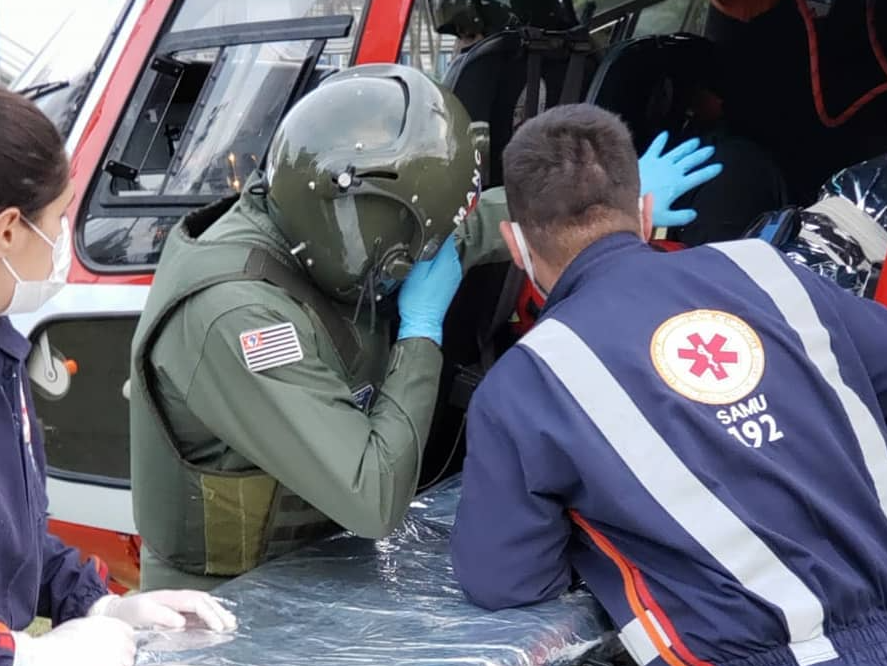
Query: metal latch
[(49, 371)]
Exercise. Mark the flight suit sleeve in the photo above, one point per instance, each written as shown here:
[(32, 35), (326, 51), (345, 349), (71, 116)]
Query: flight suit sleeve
[(69, 586), (300, 424), (478, 239), (509, 541)]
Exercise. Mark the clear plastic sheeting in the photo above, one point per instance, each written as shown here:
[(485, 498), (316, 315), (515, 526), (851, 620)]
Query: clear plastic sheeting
[(348, 601), (844, 236)]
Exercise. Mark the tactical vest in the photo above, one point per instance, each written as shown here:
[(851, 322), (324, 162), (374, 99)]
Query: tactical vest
[(205, 521)]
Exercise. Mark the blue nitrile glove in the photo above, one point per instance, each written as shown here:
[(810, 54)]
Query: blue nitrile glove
[(667, 177), (427, 292)]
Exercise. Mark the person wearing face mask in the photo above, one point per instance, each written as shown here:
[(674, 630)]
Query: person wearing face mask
[(698, 436), (39, 575), (269, 405), (28, 294)]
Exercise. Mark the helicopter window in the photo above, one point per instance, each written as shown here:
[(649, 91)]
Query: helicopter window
[(423, 47), (232, 130), (215, 13), (673, 16), (86, 428), (124, 241), (199, 123), (215, 153), (158, 130), (71, 59), (637, 18)]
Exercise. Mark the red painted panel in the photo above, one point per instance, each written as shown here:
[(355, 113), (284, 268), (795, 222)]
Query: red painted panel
[(384, 27), (119, 551), (87, 157)]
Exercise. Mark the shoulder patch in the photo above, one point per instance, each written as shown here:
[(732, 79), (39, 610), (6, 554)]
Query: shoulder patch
[(271, 347)]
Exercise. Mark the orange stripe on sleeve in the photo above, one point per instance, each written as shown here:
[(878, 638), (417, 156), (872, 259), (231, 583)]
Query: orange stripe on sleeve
[(631, 593), (675, 638)]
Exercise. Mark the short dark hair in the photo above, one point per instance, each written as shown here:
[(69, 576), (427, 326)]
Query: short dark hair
[(571, 176), (34, 169)]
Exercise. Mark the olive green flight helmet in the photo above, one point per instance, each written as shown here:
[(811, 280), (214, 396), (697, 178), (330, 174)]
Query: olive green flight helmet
[(368, 174)]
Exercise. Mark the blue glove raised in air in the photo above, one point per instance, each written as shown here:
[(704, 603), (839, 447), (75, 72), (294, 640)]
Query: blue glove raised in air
[(667, 177), (427, 292)]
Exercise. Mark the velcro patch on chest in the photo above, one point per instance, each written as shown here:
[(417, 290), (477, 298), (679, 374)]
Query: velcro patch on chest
[(363, 397), (270, 347)]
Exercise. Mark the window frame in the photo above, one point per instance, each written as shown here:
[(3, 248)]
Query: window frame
[(87, 479), (103, 203)]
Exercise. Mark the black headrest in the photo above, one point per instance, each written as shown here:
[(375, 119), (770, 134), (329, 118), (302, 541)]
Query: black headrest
[(491, 76), (474, 76), (651, 82)]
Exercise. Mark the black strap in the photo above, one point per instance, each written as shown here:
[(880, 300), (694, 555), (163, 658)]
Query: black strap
[(511, 287), (573, 79), (537, 44), (262, 265), (579, 45), (534, 80), (467, 378)]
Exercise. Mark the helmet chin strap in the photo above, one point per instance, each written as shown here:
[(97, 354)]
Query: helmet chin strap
[(368, 288)]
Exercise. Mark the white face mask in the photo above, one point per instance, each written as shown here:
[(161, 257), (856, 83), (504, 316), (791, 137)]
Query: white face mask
[(525, 256), (30, 295)]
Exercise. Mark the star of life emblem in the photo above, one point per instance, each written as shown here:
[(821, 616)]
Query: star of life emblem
[(708, 356)]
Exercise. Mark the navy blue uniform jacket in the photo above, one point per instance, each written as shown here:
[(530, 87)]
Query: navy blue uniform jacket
[(714, 418), (38, 574)]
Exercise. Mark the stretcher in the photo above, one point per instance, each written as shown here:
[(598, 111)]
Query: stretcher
[(349, 601)]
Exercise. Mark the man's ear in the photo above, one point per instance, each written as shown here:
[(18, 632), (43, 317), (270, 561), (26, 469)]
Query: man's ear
[(647, 217), (508, 236), (9, 225)]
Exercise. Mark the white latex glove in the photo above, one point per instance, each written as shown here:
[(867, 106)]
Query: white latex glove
[(89, 641), (164, 608)]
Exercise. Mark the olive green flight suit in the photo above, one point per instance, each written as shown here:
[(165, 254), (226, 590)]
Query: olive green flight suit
[(267, 447)]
